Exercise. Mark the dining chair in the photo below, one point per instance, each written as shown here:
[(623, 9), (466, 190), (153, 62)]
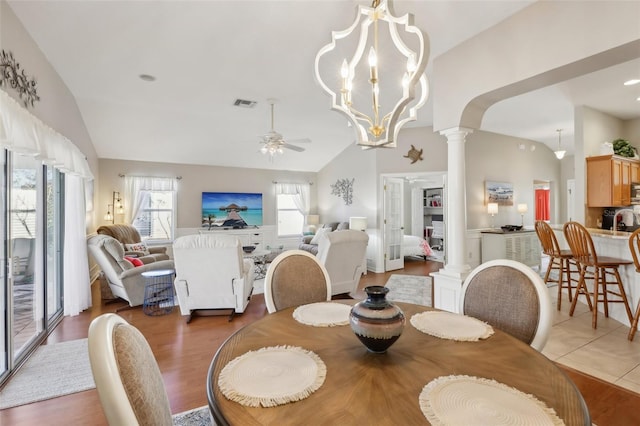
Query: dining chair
[(510, 296), (126, 374), (596, 268), (295, 278), (559, 260), (634, 246)]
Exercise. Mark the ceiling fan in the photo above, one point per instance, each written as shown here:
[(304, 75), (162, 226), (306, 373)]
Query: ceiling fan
[(273, 142)]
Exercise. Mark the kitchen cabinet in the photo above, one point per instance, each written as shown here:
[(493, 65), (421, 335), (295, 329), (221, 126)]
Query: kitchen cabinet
[(521, 246), (609, 179)]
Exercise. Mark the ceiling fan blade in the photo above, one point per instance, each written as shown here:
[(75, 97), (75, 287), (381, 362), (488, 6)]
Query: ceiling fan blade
[(303, 140), (292, 147)]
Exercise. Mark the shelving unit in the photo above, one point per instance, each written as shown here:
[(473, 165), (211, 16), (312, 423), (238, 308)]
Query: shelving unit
[(433, 201)]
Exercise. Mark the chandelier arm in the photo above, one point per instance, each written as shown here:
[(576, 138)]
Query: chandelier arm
[(361, 116)]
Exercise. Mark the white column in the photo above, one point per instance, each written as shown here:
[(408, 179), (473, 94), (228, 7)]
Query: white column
[(448, 281)]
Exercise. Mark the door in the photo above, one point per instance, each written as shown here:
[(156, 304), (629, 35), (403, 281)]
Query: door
[(393, 223)]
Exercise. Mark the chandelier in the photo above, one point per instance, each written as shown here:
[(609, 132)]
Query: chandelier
[(390, 76), (560, 152)]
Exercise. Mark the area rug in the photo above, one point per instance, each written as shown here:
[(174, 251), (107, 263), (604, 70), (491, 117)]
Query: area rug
[(410, 288), (196, 417), (53, 370), (258, 286)]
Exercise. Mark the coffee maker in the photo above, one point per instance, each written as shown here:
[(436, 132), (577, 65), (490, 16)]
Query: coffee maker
[(609, 219)]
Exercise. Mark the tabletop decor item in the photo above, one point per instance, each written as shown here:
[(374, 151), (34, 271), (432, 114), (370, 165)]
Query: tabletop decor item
[(447, 325), (322, 314), (377, 322)]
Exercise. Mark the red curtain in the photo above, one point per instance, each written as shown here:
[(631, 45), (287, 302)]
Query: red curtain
[(543, 209)]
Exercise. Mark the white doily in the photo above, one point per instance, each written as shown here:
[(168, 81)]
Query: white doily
[(272, 376), (466, 400), (447, 325), (323, 314)]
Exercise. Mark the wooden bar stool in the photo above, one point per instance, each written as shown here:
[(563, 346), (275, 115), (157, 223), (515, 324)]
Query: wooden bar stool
[(634, 246), (560, 260), (598, 268)]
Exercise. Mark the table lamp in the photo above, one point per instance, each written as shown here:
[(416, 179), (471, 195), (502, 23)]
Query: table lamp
[(358, 223), (312, 221), (522, 209), (492, 209)]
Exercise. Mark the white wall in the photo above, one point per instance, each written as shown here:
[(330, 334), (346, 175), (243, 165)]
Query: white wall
[(198, 179)]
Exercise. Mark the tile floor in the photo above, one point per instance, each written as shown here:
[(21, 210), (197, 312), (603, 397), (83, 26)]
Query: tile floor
[(604, 352)]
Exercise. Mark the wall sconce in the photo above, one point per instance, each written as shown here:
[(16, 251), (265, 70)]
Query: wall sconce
[(118, 208), (522, 209), (492, 209), (358, 223), (109, 216), (312, 221)]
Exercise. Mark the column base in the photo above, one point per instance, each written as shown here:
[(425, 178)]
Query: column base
[(447, 289)]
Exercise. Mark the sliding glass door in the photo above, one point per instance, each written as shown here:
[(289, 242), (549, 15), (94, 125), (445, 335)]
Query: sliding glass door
[(31, 255)]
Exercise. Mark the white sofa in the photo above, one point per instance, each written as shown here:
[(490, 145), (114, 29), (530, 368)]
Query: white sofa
[(212, 274), (342, 253)]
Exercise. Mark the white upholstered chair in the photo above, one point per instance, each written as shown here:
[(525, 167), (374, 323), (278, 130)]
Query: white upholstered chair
[(126, 373), (124, 279), (343, 255), (212, 274), (511, 297), (295, 278)]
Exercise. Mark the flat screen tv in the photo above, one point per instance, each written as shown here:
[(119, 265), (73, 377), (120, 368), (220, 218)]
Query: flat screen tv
[(231, 210)]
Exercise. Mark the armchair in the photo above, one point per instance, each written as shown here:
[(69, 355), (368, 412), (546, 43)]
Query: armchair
[(128, 234), (342, 254), (212, 274), (124, 279)]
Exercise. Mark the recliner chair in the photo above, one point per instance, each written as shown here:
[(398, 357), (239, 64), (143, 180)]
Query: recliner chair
[(211, 273), (128, 234), (343, 255), (124, 279)]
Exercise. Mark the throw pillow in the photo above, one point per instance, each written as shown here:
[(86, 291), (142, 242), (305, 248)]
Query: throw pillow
[(319, 233), (141, 246), (135, 261)]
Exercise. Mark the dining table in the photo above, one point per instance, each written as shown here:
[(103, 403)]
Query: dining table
[(361, 387)]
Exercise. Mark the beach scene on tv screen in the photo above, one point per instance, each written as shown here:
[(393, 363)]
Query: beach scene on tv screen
[(231, 209)]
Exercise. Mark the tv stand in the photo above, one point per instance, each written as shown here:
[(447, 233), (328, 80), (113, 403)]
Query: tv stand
[(249, 236)]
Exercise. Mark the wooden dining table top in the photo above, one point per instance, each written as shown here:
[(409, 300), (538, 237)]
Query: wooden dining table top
[(383, 389)]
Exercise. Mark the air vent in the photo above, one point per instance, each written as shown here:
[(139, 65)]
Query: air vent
[(244, 103)]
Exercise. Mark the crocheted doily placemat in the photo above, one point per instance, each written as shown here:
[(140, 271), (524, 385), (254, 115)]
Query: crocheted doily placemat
[(447, 325), (272, 376), (323, 314), (467, 400)]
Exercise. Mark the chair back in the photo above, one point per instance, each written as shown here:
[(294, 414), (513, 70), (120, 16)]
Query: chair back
[(510, 296), (342, 253), (634, 247), (127, 376), (295, 278), (547, 238), (580, 243), (126, 234), (211, 272)]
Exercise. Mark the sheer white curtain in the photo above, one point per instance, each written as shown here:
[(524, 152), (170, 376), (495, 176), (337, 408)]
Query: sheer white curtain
[(300, 194), (77, 287), (136, 192)]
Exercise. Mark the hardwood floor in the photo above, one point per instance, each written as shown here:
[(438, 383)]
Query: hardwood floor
[(184, 352)]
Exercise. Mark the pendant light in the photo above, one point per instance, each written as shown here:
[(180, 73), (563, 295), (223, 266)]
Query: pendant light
[(560, 152)]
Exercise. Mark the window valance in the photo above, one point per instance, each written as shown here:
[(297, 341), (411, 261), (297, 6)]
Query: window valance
[(24, 133)]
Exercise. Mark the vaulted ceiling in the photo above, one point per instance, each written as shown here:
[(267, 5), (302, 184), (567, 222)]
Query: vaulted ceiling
[(206, 54)]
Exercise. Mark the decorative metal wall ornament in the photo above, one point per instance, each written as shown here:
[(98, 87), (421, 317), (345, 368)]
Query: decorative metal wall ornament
[(343, 188), (11, 75), (414, 154)]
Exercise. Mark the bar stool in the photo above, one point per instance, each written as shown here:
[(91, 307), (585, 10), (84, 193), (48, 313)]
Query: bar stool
[(560, 260), (634, 246), (598, 268)]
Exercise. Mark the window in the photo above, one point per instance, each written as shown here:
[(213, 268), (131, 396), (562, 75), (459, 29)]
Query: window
[(290, 220), (155, 218)]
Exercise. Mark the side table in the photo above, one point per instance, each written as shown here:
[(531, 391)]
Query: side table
[(158, 292), (260, 261)]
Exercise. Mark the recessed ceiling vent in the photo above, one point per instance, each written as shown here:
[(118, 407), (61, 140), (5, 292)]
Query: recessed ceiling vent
[(244, 103)]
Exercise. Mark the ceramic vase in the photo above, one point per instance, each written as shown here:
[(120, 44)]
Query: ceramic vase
[(376, 321)]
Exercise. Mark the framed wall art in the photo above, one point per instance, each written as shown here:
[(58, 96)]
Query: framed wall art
[(499, 192)]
